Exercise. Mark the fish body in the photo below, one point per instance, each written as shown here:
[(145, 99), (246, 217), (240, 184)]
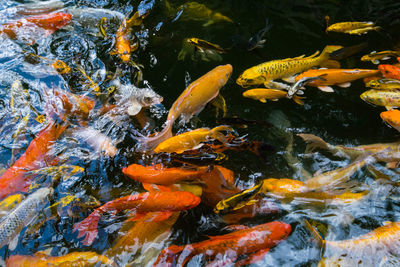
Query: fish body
[(257, 41), (355, 27), (161, 203), (392, 117), (266, 72), (123, 42), (49, 22), (231, 245), (97, 140), (205, 45), (390, 71), (157, 174), (385, 98), (40, 259), (262, 95), (192, 100), (374, 57), (189, 140), (22, 215), (383, 84), (300, 83), (340, 77)]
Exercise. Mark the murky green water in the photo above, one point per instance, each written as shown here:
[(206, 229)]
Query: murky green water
[(297, 27)]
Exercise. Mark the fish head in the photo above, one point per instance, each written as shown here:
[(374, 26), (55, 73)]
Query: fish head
[(373, 84), (186, 200), (373, 97), (223, 72), (392, 117), (250, 77), (61, 67), (149, 97)]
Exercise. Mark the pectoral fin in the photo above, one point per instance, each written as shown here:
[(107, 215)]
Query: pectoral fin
[(263, 100), (290, 79), (344, 85), (13, 244), (326, 89), (134, 108)]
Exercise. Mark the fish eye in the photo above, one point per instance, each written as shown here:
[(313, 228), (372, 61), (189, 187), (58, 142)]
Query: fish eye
[(147, 99)]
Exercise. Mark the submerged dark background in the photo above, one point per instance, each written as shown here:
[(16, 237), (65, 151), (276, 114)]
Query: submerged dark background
[(297, 27)]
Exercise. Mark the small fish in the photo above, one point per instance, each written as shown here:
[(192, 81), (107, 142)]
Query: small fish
[(205, 45), (192, 139), (390, 71), (340, 77), (158, 174), (22, 215), (192, 100), (161, 204), (300, 83), (386, 98), (266, 72), (41, 259), (392, 117), (257, 41), (263, 94), (383, 84), (90, 83), (375, 57), (354, 27), (231, 245)]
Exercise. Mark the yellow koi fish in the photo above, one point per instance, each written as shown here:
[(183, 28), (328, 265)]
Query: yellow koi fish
[(205, 45), (354, 27), (386, 98), (191, 101), (384, 84), (283, 68), (271, 94), (90, 83), (375, 57), (191, 139)]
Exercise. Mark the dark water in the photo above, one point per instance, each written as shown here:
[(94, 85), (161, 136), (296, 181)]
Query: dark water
[(297, 27)]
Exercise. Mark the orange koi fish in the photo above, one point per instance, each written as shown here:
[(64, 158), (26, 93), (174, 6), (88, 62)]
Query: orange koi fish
[(340, 77), (192, 100), (40, 259), (390, 71), (191, 139), (231, 245), (263, 94), (157, 174), (392, 117), (161, 204), (49, 22)]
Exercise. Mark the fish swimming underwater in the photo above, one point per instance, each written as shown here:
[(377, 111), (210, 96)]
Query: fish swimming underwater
[(383, 84), (375, 57), (262, 95), (390, 71), (22, 215), (386, 98), (266, 72), (354, 27), (205, 45), (232, 245), (192, 100), (392, 117)]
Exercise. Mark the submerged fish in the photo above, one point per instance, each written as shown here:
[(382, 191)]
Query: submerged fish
[(205, 45), (262, 95), (390, 71), (160, 204), (192, 100), (340, 77), (22, 215), (354, 27), (383, 84), (374, 56), (257, 41), (392, 117), (266, 72), (231, 246), (90, 17), (300, 83), (386, 98), (192, 139)]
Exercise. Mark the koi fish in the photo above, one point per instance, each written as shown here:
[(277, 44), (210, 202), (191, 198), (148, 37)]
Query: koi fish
[(340, 77), (40, 259), (48, 22), (237, 243), (390, 71), (257, 41), (161, 204), (22, 215), (9, 203), (197, 12), (90, 17), (192, 139), (191, 101), (266, 72), (205, 45), (60, 66), (392, 117), (299, 84), (386, 98), (97, 140), (383, 84), (374, 56), (90, 83), (354, 27), (262, 95), (157, 174)]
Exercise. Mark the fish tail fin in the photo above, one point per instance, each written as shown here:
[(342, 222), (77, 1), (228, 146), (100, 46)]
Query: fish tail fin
[(313, 142), (88, 228), (298, 100), (149, 143), (216, 133), (328, 50), (315, 234)]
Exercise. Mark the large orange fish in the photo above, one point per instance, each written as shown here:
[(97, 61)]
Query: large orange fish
[(392, 117), (161, 204), (192, 100), (231, 245), (340, 77), (48, 22), (390, 71), (157, 174)]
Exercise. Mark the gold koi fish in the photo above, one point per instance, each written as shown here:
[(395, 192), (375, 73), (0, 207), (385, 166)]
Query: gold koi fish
[(384, 84), (266, 72), (271, 94), (386, 98), (375, 57), (354, 27)]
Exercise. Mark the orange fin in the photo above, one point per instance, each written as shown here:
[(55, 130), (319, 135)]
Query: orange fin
[(88, 229), (155, 187)]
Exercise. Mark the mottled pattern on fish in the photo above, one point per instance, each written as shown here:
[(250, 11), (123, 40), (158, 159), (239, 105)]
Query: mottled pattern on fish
[(20, 217), (386, 98)]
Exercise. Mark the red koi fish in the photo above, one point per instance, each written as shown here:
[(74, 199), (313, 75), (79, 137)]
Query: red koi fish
[(390, 71), (48, 22), (161, 204), (392, 117), (231, 245), (157, 174)]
